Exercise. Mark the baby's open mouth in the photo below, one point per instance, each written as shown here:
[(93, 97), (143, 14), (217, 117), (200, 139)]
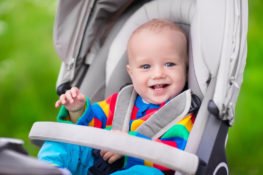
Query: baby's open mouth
[(159, 86)]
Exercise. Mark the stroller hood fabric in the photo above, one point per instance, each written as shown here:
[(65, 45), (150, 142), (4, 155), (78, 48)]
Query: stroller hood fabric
[(80, 19)]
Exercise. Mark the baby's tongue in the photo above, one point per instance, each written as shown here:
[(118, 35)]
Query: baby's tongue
[(158, 86)]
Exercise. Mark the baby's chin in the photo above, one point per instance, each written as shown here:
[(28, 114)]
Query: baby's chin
[(155, 101)]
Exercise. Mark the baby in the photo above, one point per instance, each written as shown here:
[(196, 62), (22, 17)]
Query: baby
[(157, 66)]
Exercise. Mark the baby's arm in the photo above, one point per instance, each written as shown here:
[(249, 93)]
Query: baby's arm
[(74, 101)]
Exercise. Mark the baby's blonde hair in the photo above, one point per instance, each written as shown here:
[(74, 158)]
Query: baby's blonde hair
[(159, 25)]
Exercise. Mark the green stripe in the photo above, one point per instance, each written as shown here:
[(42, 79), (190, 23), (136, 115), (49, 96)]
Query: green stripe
[(177, 130), (62, 115)]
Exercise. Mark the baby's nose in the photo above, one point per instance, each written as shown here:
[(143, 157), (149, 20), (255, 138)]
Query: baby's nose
[(158, 72)]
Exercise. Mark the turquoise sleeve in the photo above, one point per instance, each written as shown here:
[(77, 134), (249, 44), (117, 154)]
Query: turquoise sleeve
[(54, 153), (77, 159)]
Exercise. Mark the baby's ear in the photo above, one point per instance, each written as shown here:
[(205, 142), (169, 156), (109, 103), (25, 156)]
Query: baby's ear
[(128, 68)]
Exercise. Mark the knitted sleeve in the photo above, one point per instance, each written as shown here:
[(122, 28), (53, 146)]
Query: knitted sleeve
[(99, 114)]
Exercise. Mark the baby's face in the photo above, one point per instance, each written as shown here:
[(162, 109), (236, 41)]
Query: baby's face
[(157, 64)]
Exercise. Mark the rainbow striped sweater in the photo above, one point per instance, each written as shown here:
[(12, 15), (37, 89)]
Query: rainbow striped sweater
[(101, 114)]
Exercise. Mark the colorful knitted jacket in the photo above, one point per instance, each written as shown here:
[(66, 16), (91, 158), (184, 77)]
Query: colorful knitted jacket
[(101, 114)]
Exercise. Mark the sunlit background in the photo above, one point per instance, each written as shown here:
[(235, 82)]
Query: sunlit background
[(29, 67)]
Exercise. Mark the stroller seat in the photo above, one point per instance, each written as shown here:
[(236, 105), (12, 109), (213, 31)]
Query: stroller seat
[(217, 51)]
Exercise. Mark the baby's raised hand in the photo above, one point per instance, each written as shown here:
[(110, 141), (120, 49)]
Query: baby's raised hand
[(73, 100)]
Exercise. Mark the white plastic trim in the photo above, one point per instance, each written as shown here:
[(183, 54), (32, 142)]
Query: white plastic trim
[(116, 142), (220, 166)]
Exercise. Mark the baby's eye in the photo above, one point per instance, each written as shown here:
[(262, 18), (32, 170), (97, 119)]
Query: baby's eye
[(169, 64), (145, 66)]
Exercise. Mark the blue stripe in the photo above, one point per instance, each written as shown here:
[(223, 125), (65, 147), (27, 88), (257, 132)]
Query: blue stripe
[(99, 114), (181, 143)]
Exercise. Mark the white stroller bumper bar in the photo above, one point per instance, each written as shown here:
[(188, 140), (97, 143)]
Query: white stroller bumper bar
[(116, 142)]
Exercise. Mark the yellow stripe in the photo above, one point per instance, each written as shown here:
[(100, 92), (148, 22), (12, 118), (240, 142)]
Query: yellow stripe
[(91, 122), (105, 107), (135, 124), (187, 122), (148, 163)]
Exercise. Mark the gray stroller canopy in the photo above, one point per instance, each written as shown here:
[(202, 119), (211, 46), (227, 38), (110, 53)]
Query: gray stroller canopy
[(95, 33)]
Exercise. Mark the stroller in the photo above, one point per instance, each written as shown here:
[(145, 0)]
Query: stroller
[(217, 53)]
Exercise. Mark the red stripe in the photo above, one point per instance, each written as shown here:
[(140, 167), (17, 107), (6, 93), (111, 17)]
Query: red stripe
[(151, 111), (192, 118), (134, 112), (112, 102), (168, 142), (162, 168), (97, 123)]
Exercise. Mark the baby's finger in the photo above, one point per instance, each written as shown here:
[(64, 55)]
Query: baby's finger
[(69, 96), (63, 99), (107, 155), (74, 92), (102, 152), (81, 97), (57, 104), (113, 158)]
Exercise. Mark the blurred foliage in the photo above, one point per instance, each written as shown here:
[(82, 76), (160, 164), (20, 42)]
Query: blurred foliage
[(244, 150), (29, 67)]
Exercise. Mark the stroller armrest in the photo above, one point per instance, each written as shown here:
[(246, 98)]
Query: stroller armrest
[(116, 142)]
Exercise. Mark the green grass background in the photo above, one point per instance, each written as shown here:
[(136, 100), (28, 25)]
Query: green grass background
[(29, 67)]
